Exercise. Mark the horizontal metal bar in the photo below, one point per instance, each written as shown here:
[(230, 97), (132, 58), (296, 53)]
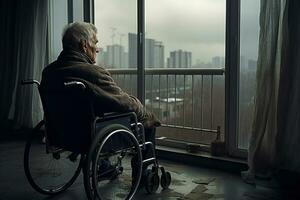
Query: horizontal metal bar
[(122, 71), (172, 71), (190, 128), (183, 71)]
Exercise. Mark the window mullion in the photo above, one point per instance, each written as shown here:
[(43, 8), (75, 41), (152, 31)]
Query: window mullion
[(141, 50), (232, 55)]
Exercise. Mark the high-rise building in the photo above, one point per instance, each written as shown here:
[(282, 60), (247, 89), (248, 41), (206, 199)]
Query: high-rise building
[(101, 57), (149, 53), (154, 52), (159, 55), (218, 62), (132, 50), (179, 59), (115, 56), (125, 60)]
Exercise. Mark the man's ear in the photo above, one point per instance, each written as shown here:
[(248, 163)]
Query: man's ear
[(83, 45)]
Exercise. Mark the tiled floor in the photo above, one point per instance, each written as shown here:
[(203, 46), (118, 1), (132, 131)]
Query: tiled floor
[(188, 182)]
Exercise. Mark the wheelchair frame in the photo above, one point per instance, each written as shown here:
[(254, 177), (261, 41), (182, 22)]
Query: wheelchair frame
[(88, 162)]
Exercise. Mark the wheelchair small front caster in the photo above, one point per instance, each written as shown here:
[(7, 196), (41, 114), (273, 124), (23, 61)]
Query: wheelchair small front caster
[(152, 180), (165, 179)]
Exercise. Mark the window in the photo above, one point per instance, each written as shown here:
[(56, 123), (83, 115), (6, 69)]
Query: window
[(116, 21), (61, 12), (77, 10), (58, 19), (185, 35), (249, 33), (184, 63)]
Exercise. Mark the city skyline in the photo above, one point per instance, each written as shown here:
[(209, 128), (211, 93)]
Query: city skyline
[(116, 56), (177, 29)]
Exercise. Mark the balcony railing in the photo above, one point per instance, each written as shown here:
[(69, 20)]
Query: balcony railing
[(189, 102)]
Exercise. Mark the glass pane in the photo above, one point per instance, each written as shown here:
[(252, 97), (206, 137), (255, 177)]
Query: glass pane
[(249, 33), (58, 19), (116, 22), (186, 34), (77, 10)]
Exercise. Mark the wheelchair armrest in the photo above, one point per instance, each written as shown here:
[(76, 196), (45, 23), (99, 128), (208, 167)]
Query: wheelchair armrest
[(109, 116), (134, 125), (75, 84), (30, 81)]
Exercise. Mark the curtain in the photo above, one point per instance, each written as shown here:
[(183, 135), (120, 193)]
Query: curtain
[(7, 21), (275, 138), (24, 56), (288, 140), (261, 148)]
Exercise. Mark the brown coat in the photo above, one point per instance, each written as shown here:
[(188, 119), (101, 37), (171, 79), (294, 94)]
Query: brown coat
[(108, 97)]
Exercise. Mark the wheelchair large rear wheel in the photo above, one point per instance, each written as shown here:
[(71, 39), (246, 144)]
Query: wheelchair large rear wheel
[(113, 174), (49, 173)]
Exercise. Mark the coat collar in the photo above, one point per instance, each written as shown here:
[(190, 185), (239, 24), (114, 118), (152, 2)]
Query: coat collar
[(71, 55)]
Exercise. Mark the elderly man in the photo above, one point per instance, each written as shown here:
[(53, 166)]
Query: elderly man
[(77, 60)]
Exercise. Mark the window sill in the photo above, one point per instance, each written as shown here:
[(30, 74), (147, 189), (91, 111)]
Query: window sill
[(202, 159)]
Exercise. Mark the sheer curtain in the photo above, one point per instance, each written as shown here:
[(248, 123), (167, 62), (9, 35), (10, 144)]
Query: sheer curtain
[(275, 138), (23, 49)]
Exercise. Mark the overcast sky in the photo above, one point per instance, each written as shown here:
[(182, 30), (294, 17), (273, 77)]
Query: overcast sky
[(191, 25)]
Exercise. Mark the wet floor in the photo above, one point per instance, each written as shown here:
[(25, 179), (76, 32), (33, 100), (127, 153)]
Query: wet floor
[(188, 182)]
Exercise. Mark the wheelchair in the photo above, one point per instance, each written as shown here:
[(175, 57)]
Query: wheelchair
[(71, 138)]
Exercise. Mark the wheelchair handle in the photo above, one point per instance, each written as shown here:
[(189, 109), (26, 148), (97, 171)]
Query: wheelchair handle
[(75, 83), (30, 81)]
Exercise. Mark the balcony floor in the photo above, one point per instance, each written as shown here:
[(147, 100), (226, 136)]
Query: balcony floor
[(188, 182)]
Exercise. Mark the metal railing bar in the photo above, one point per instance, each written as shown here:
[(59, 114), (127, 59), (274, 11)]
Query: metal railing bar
[(191, 128), (159, 100), (211, 100), (124, 82), (201, 99), (168, 112), (130, 81), (193, 108), (172, 71), (182, 71), (151, 89), (184, 100), (175, 120), (116, 78)]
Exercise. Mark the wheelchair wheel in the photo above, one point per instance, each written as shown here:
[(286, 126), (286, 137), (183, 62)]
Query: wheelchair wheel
[(49, 173), (112, 175)]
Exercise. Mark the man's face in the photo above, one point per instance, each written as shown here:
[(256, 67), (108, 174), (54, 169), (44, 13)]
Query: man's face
[(92, 48)]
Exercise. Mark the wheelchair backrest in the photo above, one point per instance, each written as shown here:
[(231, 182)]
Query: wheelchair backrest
[(69, 116)]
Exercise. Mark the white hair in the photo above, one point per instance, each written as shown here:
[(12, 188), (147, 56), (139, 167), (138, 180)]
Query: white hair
[(77, 32)]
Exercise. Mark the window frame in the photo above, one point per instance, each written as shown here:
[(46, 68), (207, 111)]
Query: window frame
[(232, 77)]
